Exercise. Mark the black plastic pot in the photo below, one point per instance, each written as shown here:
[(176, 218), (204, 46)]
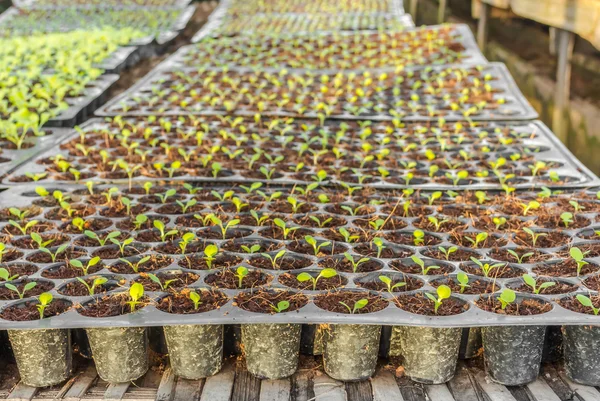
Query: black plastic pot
[(43, 356), (120, 353), (271, 349), (350, 351), (581, 346), (430, 354), (195, 351), (513, 354)]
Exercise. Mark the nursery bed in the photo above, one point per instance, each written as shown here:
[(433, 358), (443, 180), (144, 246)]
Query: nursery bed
[(131, 4), (550, 259), (533, 142), (415, 47), (504, 100), (261, 24), (234, 383)]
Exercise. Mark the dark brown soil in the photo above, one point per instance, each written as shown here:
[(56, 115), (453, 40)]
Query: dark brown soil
[(182, 279), (560, 287), (109, 306), (593, 283), (92, 224), (69, 253), (283, 263), (228, 279), (344, 265), (502, 271), (408, 266), (28, 311), (475, 286), (307, 249), (290, 280), (459, 255), (236, 245), (526, 307), (421, 305), (564, 268), (114, 252), (378, 285), (20, 269), (77, 289), (331, 301), (277, 233), (154, 263), (63, 270), (405, 238), (386, 253), (41, 287), (572, 303), (503, 255), (262, 301), (180, 303), (198, 262)]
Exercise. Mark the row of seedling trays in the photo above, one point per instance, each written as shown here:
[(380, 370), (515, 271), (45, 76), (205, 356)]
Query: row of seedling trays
[(116, 259)]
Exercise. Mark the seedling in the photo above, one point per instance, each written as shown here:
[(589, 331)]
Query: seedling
[(349, 238), (310, 240), (98, 281), (259, 219), (29, 286), (486, 268), (447, 251), (240, 273), (325, 273), (25, 228), (122, 245), (507, 297), (281, 306), (358, 305), (78, 223), (139, 221), (443, 292), (534, 236), (388, 283), (210, 253), (586, 301), (479, 239), (285, 230), (102, 241), (578, 256), (275, 258), (19, 214), (185, 206), (195, 298), (531, 282), (463, 281), (499, 222), (567, 218), (185, 241), (251, 249), (5, 275), (421, 264), (532, 205), (224, 227), (85, 269), (42, 246), (135, 266), (44, 299), (355, 264), (163, 197), (520, 258), (160, 226), (163, 285), (437, 223), (378, 242), (136, 292), (295, 204), (320, 223)]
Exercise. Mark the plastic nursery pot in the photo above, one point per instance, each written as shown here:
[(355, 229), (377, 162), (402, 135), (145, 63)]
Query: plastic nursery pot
[(120, 353), (513, 354), (43, 356), (271, 350), (195, 351), (350, 351), (430, 354), (581, 345)]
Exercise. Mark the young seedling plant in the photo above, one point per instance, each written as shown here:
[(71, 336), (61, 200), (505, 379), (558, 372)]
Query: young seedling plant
[(358, 305), (578, 256), (136, 292), (531, 282), (98, 281), (44, 299), (443, 292), (587, 302), (390, 287), (325, 273), (281, 306), (507, 297)]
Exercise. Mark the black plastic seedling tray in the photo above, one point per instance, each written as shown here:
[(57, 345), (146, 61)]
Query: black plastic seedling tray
[(83, 106), (13, 158), (532, 140), (392, 262), (257, 52), (261, 24), (515, 106)]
